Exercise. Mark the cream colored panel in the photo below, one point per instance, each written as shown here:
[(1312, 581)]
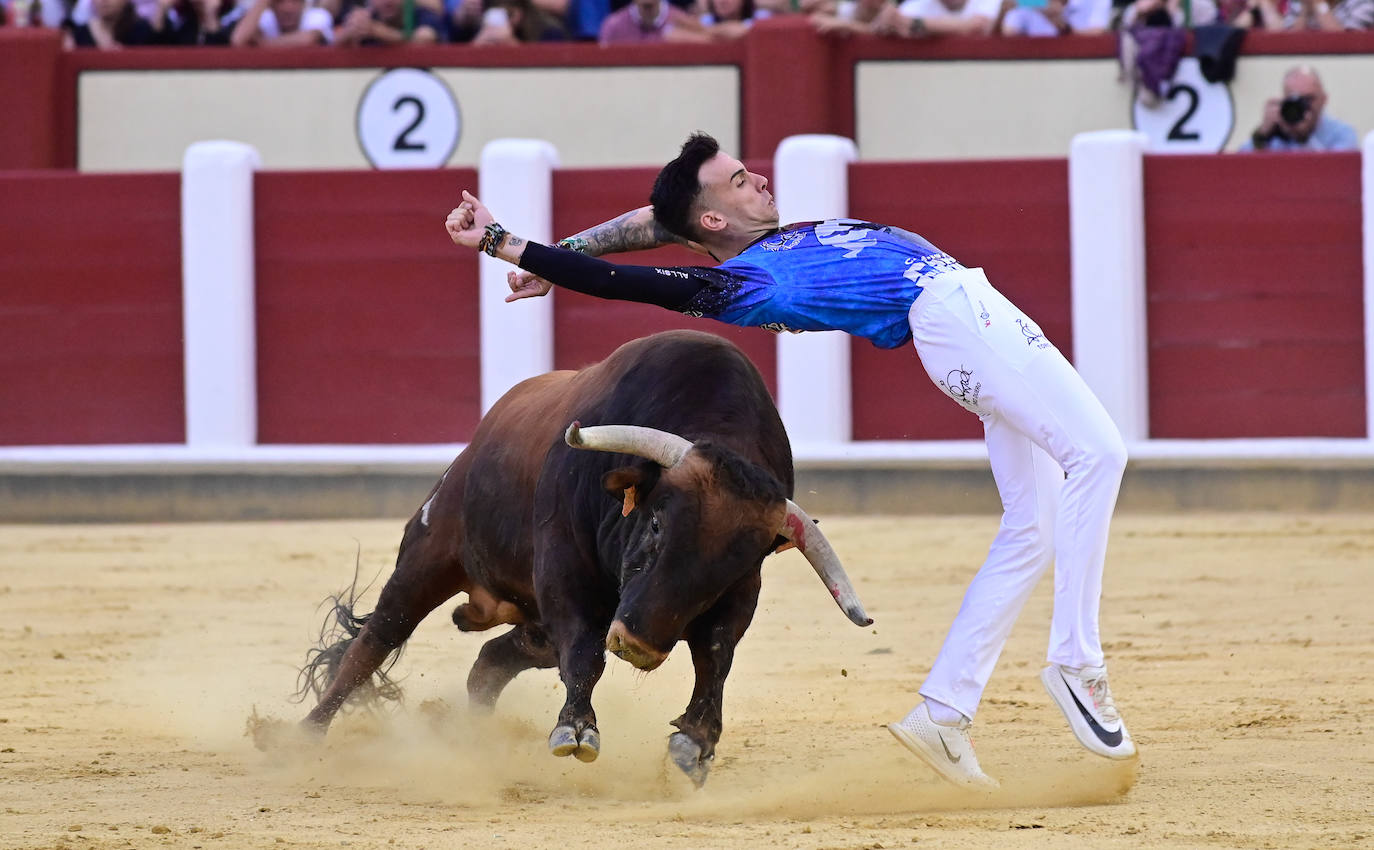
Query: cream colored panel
[(983, 109), (1009, 109), (302, 119)]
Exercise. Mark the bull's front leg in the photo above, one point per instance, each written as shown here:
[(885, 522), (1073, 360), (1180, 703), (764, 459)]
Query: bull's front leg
[(581, 661), (712, 638)]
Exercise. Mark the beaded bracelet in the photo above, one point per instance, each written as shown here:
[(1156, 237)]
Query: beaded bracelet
[(492, 237)]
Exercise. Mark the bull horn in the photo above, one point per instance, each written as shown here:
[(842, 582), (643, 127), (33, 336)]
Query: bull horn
[(807, 536), (663, 448)]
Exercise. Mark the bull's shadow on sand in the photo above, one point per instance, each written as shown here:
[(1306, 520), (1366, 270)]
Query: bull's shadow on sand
[(440, 754)]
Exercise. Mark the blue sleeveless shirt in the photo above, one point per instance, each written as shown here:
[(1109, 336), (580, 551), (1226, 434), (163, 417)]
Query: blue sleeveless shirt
[(841, 274)]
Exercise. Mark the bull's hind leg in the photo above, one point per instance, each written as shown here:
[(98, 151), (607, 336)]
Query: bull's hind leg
[(712, 638), (505, 657), (427, 574)]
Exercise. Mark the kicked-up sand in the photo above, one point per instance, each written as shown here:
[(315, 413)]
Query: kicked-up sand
[(135, 661)]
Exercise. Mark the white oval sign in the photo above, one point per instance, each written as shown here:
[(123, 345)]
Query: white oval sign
[(1195, 116), (408, 118)]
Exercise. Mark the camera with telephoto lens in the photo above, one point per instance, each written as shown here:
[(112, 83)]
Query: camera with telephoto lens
[(1294, 108)]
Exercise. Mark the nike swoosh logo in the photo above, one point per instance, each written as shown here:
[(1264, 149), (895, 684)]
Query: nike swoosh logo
[(1111, 739), (952, 757)]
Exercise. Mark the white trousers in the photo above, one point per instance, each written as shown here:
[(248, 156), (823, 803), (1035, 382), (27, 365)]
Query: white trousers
[(1057, 458)]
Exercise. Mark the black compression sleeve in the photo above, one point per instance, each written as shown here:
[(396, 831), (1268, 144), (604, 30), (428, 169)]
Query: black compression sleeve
[(671, 288)]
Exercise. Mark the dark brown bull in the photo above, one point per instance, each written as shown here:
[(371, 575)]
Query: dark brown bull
[(521, 522)]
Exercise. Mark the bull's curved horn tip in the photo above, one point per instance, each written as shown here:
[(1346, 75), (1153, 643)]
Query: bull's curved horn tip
[(573, 436)]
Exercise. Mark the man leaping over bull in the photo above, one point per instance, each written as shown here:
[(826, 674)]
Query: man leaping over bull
[(1056, 455)]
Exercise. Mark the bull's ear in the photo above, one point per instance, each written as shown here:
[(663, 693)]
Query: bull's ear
[(621, 482), (630, 483)]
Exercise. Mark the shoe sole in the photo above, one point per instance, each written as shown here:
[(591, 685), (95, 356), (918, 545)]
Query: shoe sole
[(1049, 677), (937, 762)]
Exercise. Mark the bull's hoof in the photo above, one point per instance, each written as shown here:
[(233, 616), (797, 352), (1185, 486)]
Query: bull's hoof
[(565, 741), (686, 754)]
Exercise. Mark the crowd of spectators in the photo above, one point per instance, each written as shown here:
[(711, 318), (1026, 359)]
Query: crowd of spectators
[(289, 23)]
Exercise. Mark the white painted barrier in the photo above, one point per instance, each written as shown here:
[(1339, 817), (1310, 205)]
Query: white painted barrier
[(1107, 236), (811, 183), (218, 312), (516, 184)]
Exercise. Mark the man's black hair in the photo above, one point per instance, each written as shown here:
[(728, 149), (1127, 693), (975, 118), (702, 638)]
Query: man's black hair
[(676, 188)]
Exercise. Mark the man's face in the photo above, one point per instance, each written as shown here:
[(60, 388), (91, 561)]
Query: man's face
[(1304, 84), (735, 195), (648, 12), (288, 14)]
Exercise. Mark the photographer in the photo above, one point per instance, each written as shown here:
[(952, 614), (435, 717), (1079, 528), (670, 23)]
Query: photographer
[(1296, 122)]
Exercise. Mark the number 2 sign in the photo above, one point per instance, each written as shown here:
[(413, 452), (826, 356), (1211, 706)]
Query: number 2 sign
[(1194, 116), (408, 118)]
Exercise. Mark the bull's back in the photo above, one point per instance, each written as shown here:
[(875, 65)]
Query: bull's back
[(690, 383)]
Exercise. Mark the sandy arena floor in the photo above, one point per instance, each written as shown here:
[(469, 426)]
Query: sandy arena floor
[(134, 657)]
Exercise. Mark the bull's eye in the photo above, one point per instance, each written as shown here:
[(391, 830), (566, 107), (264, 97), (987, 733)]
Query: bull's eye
[(653, 524)]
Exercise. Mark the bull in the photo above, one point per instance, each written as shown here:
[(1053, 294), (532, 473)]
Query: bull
[(698, 469)]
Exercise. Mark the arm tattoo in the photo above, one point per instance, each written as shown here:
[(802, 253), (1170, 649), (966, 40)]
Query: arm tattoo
[(514, 241), (633, 231)]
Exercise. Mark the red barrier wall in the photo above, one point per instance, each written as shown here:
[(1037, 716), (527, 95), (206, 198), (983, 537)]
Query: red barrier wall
[(586, 329), (29, 135), (1256, 321), (1010, 217), (367, 314), (90, 309)]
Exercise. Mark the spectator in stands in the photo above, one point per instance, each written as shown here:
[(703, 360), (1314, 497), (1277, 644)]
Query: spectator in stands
[(850, 17), (464, 19), (724, 20), (384, 22), (516, 22), (112, 24), (1331, 16), (283, 23), (645, 21), (1057, 17), (920, 18), (1252, 14), (1169, 13), (34, 13), (1296, 122), (80, 11), (190, 22)]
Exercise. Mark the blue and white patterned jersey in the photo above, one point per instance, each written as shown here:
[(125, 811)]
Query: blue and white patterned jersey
[(841, 274)]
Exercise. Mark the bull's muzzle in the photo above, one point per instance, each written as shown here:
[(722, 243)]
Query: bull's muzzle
[(625, 646)]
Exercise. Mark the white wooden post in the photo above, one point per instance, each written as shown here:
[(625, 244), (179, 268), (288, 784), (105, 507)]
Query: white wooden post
[(515, 181), (218, 314), (811, 183), (1107, 234)]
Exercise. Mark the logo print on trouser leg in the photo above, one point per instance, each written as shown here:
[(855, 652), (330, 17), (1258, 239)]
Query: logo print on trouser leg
[(960, 386)]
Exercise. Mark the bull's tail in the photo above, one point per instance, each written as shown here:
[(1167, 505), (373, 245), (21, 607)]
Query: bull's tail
[(340, 627)]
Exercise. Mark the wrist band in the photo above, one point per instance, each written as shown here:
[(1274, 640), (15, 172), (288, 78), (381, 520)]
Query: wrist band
[(492, 238), (574, 243)]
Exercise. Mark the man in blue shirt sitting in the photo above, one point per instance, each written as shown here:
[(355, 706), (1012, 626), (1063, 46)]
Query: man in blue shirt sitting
[(1297, 123)]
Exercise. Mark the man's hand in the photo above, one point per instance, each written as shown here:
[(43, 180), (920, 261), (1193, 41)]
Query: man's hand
[(468, 221), (1272, 119), (525, 284)]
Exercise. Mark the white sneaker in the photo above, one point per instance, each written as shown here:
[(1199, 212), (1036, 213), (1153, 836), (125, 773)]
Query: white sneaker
[(945, 748), (1086, 700)]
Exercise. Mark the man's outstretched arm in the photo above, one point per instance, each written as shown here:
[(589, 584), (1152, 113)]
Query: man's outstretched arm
[(471, 225), (635, 230)]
